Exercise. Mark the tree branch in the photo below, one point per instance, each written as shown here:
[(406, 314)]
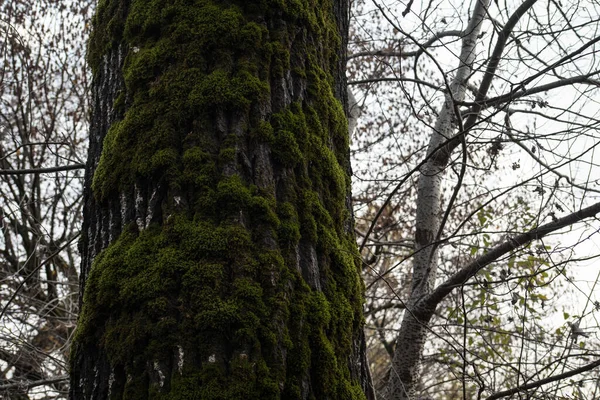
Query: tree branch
[(494, 101), (41, 170), (29, 385), (544, 381), (416, 81), (406, 54), (495, 253)]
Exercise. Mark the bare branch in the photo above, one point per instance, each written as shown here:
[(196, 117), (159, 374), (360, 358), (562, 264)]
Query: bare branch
[(29, 385), (495, 101), (376, 80), (406, 54), (495, 253), (544, 381), (41, 170)]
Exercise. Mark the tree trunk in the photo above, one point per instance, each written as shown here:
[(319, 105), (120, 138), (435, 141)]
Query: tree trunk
[(218, 255), (404, 374)]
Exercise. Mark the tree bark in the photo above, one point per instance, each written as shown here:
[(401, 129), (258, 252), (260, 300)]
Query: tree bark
[(218, 255)]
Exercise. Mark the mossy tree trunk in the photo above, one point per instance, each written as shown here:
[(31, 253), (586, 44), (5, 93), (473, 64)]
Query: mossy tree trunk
[(218, 256)]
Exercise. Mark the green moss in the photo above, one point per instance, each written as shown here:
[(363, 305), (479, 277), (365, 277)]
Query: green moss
[(263, 132), (198, 168), (227, 155), (285, 148), (289, 230), (164, 159), (232, 193), (220, 89), (319, 310), (281, 58), (171, 83)]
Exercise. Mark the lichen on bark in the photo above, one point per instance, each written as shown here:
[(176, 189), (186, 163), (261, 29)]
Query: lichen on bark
[(217, 210)]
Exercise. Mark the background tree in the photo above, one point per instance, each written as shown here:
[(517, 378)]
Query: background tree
[(218, 253), (43, 111)]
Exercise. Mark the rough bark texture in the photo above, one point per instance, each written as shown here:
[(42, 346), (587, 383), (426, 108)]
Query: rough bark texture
[(404, 376), (218, 256)]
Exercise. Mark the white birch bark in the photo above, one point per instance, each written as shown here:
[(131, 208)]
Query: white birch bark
[(404, 373)]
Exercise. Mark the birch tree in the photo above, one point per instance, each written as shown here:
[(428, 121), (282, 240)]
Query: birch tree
[(497, 74)]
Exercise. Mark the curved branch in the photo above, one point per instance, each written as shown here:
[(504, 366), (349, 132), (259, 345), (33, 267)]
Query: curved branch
[(494, 101), (544, 381), (460, 277)]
